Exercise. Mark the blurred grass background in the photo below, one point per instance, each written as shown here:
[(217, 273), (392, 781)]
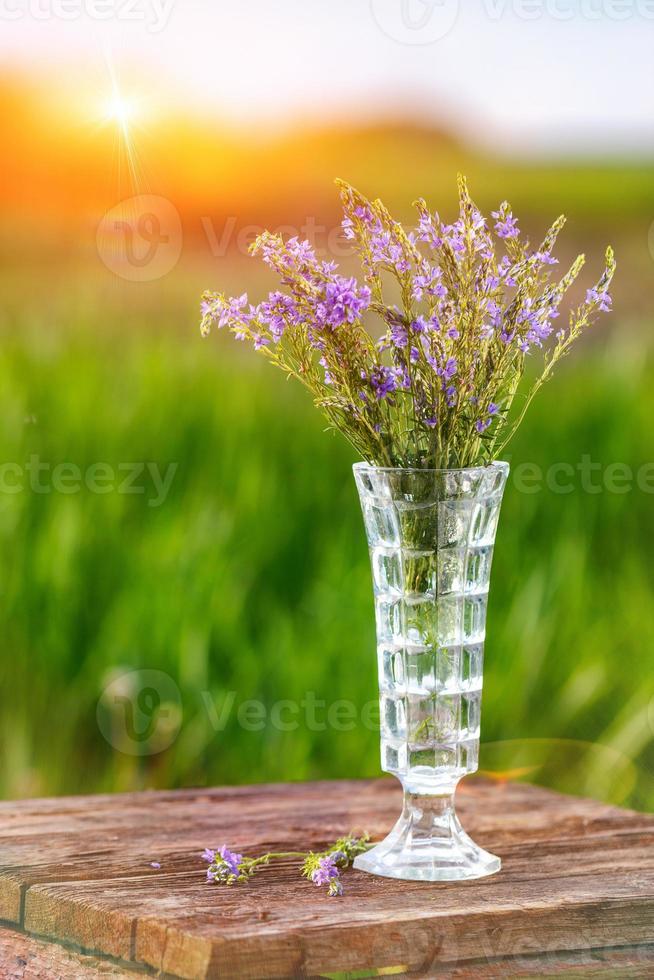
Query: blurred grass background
[(252, 577), (251, 580)]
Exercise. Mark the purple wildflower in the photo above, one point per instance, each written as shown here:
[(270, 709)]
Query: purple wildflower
[(402, 377), (387, 250), (276, 311), (232, 310), (603, 299), (455, 235), (506, 226), (383, 382), (233, 861), (301, 253), (344, 302), (326, 870), (155, 865), (429, 230), (208, 855), (399, 335), (450, 368), (328, 379), (428, 281), (365, 216), (482, 424), (421, 325), (505, 268), (545, 258)]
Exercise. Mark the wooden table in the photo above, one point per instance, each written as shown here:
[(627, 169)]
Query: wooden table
[(79, 898)]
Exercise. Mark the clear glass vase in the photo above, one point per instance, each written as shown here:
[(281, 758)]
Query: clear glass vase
[(431, 536)]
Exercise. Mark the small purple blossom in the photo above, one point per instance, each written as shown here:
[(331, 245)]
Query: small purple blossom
[(278, 311), (348, 228), (325, 871), (506, 226), (545, 258), (208, 855), (601, 298), (383, 382), (422, 325), (233, 861), (328, 379), (344, 302), (505, 268), (399, 335), (429, 230), (386, 249), (155, 864), (428, 281)]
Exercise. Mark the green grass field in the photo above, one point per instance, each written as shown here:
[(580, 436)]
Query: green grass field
[(250, 580)]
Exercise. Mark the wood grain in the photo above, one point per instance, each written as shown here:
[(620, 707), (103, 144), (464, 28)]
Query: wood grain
[(25, 958), (576, 892)]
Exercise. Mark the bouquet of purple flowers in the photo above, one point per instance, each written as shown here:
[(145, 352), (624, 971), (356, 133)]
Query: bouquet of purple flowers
[(439, 385)]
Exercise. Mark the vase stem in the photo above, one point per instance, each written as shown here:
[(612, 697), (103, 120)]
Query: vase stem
[(428, 843)]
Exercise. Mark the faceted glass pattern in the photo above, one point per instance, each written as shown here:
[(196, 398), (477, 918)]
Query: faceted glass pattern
[(431, 536)]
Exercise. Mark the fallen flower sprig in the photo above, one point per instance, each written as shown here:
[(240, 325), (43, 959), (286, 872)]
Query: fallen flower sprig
[(322, 867)]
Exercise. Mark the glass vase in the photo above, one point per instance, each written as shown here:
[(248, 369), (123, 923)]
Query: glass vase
[(430, 535)]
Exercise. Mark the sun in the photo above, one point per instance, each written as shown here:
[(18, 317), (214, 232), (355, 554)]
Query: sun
[(121, 110)]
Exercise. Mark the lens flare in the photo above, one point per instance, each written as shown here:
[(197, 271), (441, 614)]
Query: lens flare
[(122, 110)]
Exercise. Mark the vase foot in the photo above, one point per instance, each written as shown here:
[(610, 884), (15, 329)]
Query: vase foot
[(428, 844)]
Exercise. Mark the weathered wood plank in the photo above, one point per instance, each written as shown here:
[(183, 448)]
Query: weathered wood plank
[(635, 963), (577, 876), (25, 958)]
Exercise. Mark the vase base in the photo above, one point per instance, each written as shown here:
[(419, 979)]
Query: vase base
[(421, 848), (409, 866)]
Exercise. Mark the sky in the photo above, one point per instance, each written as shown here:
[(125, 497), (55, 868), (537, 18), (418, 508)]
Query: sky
[(528, 76)]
